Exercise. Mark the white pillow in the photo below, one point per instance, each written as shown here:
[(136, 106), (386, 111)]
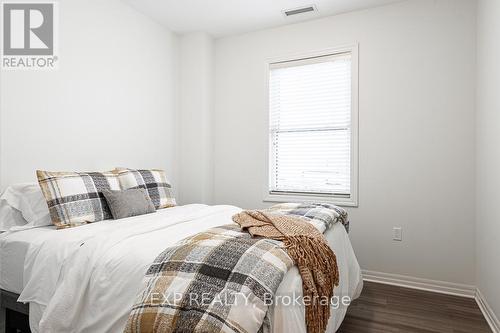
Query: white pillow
[(23, 206), (10, 217)]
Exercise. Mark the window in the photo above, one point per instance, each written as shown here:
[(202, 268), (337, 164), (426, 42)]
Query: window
[(312, 129)]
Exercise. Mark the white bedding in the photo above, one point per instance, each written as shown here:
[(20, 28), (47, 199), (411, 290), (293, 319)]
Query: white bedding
[(13, 249), (85, 279)]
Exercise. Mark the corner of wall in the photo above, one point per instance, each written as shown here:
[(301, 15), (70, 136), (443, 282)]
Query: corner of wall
[(195, 137)]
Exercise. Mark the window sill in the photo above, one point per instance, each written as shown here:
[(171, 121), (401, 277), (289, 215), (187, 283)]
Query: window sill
[(336, 200)]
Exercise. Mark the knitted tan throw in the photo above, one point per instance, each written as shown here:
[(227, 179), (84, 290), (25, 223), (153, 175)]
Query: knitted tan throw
[(309, 250)]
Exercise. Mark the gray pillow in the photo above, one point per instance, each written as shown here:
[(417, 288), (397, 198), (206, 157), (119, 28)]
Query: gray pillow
[(127, 203)]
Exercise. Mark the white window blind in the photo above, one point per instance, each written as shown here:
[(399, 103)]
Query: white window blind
[(310, 126)]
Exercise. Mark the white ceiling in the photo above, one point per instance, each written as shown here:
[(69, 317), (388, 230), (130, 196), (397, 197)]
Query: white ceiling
[(228, 17)]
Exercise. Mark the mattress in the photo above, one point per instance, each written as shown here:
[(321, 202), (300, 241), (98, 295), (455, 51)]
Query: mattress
[(13, 249), (86, 279)]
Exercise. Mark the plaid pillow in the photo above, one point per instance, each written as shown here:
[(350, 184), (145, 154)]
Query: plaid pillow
[(76, 198), (154, 181)]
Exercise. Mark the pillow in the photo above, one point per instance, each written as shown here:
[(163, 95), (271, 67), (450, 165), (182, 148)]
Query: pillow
[(10, 217), (128, 203), (154, 181), (76, 198), (22, 206)]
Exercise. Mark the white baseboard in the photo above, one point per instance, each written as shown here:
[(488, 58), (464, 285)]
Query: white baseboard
[(442, 287), (487, 311)]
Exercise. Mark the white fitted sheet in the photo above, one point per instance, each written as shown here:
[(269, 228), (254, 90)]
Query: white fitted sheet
[(13, 249)]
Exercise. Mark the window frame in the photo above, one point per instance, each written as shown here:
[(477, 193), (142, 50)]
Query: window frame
[(341, 200)]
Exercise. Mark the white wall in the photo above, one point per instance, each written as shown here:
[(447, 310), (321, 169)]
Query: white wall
[(416, 111), (488, 152), (111, 103), (195, 115)]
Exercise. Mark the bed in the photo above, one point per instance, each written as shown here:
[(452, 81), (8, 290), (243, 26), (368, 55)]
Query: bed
[(86, 279)]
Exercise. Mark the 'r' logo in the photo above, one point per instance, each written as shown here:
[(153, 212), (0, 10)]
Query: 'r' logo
[(28, 29)]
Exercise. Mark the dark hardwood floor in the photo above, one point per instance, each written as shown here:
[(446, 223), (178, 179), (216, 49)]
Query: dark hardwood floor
[(389, 309)]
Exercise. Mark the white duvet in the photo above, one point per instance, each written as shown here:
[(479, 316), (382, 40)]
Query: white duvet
[(85, 279)]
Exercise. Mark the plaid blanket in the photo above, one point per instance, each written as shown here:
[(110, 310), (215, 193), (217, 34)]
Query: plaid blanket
[(321, 215), (220, 280), (211, 282)]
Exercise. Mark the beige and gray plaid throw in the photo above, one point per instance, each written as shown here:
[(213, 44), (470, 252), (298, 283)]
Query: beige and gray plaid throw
[(215, 281)]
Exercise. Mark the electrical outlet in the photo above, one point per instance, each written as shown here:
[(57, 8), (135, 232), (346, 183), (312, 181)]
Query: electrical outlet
[(397, 233)]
